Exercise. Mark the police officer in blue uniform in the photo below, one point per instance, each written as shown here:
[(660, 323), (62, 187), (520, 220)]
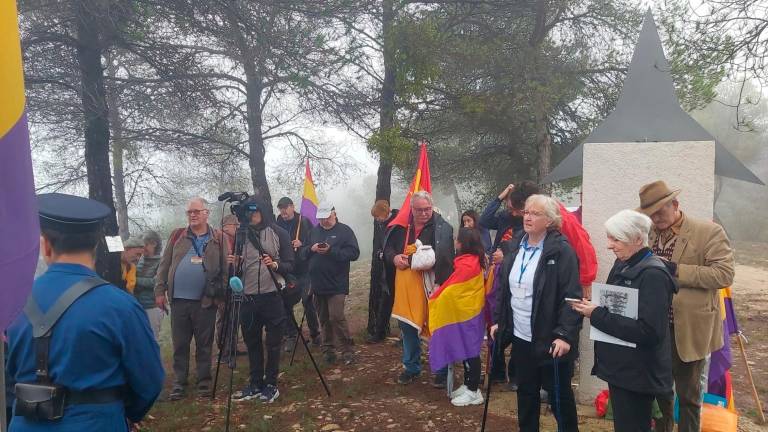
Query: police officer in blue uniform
[(90, 362)]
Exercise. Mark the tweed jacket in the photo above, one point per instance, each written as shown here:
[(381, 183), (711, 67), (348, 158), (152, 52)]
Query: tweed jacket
[(705, 264)]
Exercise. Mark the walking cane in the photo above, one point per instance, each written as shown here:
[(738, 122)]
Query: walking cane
[(491, 353), (556, 367)]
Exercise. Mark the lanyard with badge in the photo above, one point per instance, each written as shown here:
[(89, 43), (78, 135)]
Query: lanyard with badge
[(519, 291), (198, 257)]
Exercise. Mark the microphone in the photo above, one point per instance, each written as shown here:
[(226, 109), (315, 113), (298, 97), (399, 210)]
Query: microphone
[(236, 284)]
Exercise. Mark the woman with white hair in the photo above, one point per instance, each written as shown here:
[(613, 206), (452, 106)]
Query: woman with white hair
[(540, 270), (635, 375)]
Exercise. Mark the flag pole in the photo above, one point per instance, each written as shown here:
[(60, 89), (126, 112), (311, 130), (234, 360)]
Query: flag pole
[(298, 228), (755, 396)]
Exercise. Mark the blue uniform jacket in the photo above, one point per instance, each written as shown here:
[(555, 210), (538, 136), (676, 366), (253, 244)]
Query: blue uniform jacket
[(103, 340)]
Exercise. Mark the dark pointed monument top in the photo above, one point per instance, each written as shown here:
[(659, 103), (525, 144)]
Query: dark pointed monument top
[(648, 111)]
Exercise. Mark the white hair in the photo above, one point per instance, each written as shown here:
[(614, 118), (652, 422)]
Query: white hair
[(200, 200), (627, 226), (422, 195), (550, 206)]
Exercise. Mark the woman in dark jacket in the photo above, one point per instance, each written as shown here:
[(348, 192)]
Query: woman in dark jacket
[(635, 375), (539, 272)]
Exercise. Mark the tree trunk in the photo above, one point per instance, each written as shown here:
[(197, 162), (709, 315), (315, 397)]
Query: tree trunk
[(387, 103), (118, 173), (87, 21), (457, 200)]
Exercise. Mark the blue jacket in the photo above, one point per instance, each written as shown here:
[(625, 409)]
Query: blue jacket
[(501, 221), (103, 340)]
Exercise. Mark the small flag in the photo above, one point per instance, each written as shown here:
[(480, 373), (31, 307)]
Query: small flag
[(421, 182), (309, 201), (19, 227)]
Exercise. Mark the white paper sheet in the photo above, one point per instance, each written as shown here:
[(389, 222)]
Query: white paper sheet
[(114, 244), (619, 300)]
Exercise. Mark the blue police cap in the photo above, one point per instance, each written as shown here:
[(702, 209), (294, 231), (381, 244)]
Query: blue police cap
[(70, 214)]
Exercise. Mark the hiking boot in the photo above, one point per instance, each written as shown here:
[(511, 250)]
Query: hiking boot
[(269, 394), (317, 340), (204, 392), (348, 358), (249, 392), (467, 398), (329, 358), (407, 377), (459, 391), (290, 342), (439, 381), (177, 393)]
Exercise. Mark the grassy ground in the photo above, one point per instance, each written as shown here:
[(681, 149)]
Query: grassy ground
[(366, 398)]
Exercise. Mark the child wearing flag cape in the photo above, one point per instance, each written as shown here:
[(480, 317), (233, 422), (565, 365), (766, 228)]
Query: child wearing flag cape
[(456, 317)]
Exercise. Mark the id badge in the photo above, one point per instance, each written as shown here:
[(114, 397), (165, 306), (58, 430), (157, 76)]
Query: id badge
[(197, 260), (518, 291)]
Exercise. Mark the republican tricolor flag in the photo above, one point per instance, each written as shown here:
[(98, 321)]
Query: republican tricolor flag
[(309, 200), (456, 314), (421, 182), (19, 229), (719, 377)]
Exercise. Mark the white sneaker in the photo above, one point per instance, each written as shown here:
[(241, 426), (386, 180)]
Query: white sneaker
[(459, 391), (468, 398)]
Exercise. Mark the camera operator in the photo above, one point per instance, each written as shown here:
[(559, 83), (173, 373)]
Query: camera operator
[(267, 258)]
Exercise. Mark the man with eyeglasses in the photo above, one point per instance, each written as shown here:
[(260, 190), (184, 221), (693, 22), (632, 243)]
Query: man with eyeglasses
[(192, 275), (429, 227)]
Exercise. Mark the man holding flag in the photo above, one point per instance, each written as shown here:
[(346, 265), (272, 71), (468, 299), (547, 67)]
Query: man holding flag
[(417, 221), (298, 227)]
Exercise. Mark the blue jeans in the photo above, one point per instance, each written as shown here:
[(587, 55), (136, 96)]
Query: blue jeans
[(411, 348)]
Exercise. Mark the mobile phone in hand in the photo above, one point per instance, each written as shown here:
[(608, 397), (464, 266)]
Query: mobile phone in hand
[(323, 245), (572, 300)]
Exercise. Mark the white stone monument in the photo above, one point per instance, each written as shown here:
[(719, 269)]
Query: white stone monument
[(647, 137)]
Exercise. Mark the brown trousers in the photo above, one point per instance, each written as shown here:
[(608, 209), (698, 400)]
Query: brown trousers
[(687, 377), (330, 311)]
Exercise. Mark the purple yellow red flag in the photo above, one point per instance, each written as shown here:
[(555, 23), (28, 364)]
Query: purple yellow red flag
[(456, 314), (309, 201), (721, 361), (19, 227), (422, 181)]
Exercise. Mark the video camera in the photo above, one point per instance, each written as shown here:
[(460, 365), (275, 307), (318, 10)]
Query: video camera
[(240, 206)]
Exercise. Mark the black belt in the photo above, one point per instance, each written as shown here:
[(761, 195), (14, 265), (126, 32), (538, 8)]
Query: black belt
[(89, 397)]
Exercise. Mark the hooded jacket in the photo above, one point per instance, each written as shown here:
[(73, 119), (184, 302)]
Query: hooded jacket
[(556, 277), (648, 367)]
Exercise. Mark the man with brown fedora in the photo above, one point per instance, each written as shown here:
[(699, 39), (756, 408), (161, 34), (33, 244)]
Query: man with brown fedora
[(700, 257)]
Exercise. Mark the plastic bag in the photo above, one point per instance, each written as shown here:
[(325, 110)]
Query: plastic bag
[(717, 419), (423, 258)]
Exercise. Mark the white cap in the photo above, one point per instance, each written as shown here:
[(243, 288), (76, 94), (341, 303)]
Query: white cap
[(324, 210)]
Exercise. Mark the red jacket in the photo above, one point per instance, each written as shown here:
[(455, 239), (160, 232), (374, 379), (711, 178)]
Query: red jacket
[(579, 239)]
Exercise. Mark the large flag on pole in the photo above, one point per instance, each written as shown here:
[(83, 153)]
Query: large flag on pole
[(309, 200), (18, 207), (422, 181)]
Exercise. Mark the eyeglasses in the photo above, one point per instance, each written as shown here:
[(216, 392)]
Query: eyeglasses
[(422, 210), (195, 212)]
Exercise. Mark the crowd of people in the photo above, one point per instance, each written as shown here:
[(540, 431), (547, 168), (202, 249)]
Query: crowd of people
[(518, 276)]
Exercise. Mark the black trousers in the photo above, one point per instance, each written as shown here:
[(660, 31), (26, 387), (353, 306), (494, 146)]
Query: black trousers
[(472, 373), (532, 377), (380, 302), (263, 312), (500, 369), (310, 312), (632, 411)]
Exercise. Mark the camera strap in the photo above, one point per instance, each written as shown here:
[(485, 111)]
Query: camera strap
[(43, 323)]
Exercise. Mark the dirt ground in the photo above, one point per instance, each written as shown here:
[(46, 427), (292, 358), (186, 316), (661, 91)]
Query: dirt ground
[(365, 397)]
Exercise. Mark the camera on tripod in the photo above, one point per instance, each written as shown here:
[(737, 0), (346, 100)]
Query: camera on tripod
[(240, 206)]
